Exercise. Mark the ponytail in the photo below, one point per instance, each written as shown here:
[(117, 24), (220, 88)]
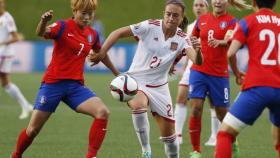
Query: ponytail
[(239, 4), (184, 23)]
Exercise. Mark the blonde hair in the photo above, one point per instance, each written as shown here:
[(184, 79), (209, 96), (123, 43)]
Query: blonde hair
[(84, 4), (239, 4)]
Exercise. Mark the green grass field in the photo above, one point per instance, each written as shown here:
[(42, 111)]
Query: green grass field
[(65, 134), (112, 13)]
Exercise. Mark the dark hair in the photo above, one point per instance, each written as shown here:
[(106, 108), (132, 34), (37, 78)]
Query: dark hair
[(265, 3), (176, 2), (184, 23)]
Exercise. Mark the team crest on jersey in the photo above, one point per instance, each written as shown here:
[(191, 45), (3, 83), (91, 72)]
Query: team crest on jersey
[(173, 46), (223, 25), (43, 100), (90, 38)]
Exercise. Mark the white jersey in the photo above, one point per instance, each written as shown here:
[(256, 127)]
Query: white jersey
[(155, 55), (7, 25)]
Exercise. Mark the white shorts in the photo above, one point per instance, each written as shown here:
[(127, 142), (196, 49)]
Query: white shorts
[(186, 75), (160, 100), (6, 64)]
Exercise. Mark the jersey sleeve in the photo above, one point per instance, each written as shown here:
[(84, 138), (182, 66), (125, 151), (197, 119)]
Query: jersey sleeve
[(241, 31), (56, 30), (229, 33), (196, 30), (97, 43), (141, 29), (11, 25)]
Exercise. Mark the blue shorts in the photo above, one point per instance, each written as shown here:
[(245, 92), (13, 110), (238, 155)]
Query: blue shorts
[(71, 92), (216, 88), (250, 103)]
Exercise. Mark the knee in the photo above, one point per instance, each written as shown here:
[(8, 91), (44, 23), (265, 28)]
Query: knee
[(102, 113), (136, 106), (196, 111), (32, 132)]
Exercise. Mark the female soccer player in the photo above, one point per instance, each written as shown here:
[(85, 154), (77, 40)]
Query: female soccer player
[(258, 91), (9, 35), (211, 78), (160, 42), (200, 7), (63, 80)]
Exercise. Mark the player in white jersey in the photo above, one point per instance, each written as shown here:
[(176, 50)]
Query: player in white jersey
[(8, 35), (160, 43), (180, 113)]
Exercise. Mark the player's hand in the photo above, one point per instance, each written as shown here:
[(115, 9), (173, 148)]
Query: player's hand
[(239, 78), (172, 70), (214, 43), (195, 42), (47, 16), (95, 58)]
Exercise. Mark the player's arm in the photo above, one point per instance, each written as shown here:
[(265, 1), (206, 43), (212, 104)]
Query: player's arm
[(14, 38), (194, 55), (234, 47), (108, 63), (114, 37), (42, 28), (109, 42)]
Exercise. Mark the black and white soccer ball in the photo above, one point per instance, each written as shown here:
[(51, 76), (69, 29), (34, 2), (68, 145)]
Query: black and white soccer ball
[(123, 88)]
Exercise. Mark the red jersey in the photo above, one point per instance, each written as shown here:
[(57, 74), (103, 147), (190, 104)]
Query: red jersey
[(260, 31), (214, 59), (71, 46)]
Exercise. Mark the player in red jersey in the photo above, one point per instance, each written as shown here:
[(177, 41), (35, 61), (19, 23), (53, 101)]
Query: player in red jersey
[(260, 31), (211, 78), (63, 80)]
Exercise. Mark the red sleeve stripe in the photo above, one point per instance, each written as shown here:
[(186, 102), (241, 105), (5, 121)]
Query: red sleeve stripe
[(154, 22)]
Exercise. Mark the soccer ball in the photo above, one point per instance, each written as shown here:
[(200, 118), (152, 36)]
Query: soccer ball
[(123, 88)]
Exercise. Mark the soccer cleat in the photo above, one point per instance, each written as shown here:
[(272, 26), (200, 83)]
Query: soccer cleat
[(195, 154), (235, 149), (146, 155), (25, 113), (211, 141), (180, 138)]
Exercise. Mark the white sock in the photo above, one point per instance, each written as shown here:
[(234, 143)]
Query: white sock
[(180, 116), (142, 129), (215, 123), (14, 91), (171, 146)]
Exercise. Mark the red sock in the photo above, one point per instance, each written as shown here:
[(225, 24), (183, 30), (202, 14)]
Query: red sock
[(96, 136), (195, 130), (224, 145), (277, 147), (23, 143)]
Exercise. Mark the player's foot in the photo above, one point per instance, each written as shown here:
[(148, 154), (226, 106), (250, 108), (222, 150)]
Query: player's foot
[(180, 138), (211, 141), (25, 112), (235, 149), (146, 155), (195, 154)]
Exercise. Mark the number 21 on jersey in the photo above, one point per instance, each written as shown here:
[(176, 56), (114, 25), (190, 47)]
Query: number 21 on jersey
[(271, 46)]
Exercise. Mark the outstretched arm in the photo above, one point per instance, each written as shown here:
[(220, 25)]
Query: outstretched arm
[(42, 28)]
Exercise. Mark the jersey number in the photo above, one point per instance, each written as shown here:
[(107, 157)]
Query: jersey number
[(81, 50), (155, 62), (210, 34), (270, 47)]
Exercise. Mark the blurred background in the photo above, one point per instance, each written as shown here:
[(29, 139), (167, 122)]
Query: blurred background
[(65, 135)]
